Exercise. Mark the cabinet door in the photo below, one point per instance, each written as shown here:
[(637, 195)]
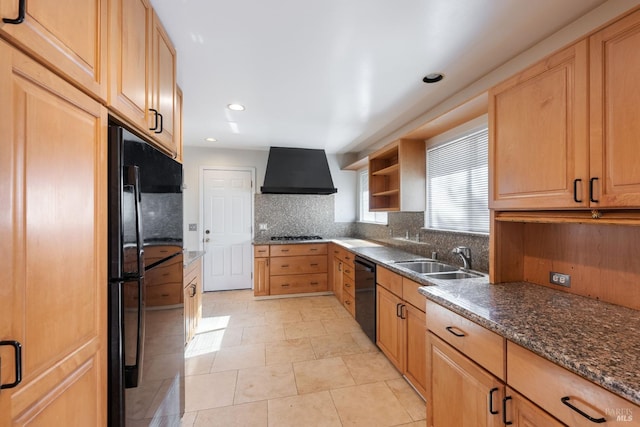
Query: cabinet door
[(615, 128), (522, 413), (416, 364), (130, 59), (163, 88), (53, 173), (389, 331), (460, 393), (539, 135), (68, 35), (261, 276)]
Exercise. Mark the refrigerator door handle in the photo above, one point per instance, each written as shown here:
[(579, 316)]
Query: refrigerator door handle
[(133, 372), (133, 179)]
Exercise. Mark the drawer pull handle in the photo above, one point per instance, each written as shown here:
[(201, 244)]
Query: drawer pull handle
[(285, 265), (347, 285), (457, 334), (285, 285), (22, 8), (575, 190), (313, 249), (17, 350), (285, 250), (348, 271), (591, 181), (504, 411), (566, 399), (347, 302), (491, 411), (314, 265)]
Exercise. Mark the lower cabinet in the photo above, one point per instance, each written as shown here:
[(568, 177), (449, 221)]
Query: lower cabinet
[(400, 329), (192, 294), (290, 269), (461, 392), (474, 374), (519, 411)]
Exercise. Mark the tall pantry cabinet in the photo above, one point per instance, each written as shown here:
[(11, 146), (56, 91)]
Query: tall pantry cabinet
[(61, 75), (53, 229)]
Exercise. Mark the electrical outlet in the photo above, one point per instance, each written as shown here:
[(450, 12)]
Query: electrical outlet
[(262, 227), (193, 227), (560, 279)]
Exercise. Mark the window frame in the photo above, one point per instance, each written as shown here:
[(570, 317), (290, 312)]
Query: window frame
[(380, 218)]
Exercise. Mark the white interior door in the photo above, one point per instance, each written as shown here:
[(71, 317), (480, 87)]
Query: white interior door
[(227, 203)]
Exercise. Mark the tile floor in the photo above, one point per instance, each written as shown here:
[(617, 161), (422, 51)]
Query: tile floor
[(290, 362)]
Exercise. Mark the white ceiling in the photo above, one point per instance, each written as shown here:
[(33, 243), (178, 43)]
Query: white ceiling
[(338, 74)]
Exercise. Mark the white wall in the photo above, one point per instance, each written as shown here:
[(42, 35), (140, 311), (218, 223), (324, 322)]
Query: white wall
[(195, 158)]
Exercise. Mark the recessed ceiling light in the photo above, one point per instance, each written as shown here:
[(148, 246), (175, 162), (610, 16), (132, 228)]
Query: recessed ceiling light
[(210, 139), (433, 77), (236, 107)]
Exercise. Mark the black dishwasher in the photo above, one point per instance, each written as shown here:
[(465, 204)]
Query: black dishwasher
[(366, 296)]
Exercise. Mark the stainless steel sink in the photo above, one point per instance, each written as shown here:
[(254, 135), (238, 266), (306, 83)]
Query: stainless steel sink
[(452, 275), (423, 267)]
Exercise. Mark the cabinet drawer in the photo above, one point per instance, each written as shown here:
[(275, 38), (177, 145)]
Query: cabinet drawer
[(300, 249), (298, 265), (165, 273), (166, 294), (389, 280), (546, 384), (348, 270), (411, 295), (156, 253), (261, 251), (349, 303), (486, 348), (349, 286), (298, 283)]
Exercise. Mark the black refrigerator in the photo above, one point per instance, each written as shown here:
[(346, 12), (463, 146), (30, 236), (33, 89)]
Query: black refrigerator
[(146, 313)]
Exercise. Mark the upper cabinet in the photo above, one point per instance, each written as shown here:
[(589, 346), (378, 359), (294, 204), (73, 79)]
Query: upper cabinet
[(68, 36), (397, 177), (142, 78), (130, 59), (163, 87), (615, 127), (538, 134), (563, 133)]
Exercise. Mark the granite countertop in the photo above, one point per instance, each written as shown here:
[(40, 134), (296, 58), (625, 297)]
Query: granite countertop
[(189, 257), (596, 340)]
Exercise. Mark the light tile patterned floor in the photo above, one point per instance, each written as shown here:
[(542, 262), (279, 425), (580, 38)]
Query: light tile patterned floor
[(290, 362)]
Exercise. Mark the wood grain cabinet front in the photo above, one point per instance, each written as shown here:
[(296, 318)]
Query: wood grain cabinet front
[(401, 326), (290, 269), (563, 133), (68, 36), (54, 301), (142, 73)]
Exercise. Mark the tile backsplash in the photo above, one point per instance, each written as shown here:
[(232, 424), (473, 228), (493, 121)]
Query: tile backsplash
[(296, 214)]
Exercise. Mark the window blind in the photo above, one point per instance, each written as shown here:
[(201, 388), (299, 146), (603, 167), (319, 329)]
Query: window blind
[(457, 184)]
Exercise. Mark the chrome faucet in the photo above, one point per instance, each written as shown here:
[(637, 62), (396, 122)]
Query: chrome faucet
[(465, 254)]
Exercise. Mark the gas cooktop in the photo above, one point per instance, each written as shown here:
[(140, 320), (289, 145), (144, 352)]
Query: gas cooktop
[(296, 237)]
